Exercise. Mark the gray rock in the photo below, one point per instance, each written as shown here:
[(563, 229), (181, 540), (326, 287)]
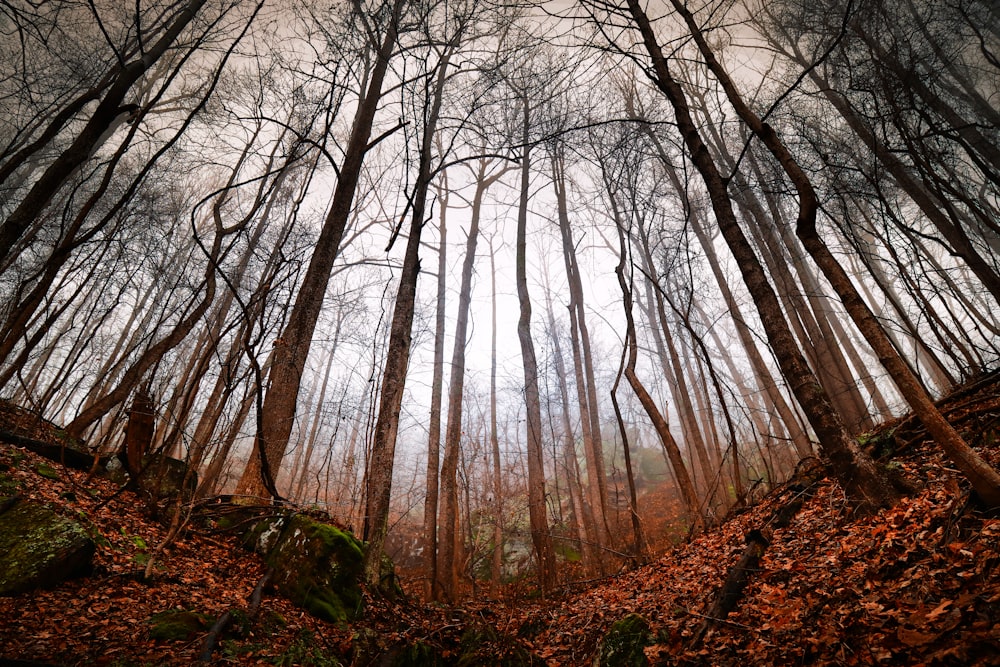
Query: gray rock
[(40, 549)]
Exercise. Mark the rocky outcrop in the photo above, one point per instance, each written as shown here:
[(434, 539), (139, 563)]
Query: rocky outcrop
[(315, 565), (39, 548)]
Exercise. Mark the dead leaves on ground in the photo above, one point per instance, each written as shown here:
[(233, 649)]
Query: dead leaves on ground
[(103, 619), (918, 584)]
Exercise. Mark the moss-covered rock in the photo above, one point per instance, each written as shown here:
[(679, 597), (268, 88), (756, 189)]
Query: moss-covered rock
[(318, 567), (388, 583), (174, 625), (262, 536), (39, 548), (369, 647), (165, 477), (624, 642), (306, 651), (417, 654), (46, 471)]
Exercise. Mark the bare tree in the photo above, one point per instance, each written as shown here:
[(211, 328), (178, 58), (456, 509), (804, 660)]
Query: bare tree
[(985, 480), (292, 346), (379, 487), (865, 484)]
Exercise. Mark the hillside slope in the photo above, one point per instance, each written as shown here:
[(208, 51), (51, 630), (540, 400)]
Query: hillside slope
[(918, 584)]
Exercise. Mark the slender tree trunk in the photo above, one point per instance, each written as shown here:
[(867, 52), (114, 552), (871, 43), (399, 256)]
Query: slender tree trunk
[(497, 560), (799, 437), (866, 486), (673, 453), (431, 583), (671, 363), (380, 464), (583, 369), (449, 543), (292, 347), (537, 515), (299, 480), (584, 517), (985, 480)]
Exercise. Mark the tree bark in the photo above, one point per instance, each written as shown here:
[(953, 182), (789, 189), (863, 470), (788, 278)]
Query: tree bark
[(673, 453), (985, 480), (449, 542), (583, 367), (537, 515), (866, 486), (291, 349), (431, 584), (380, 465)]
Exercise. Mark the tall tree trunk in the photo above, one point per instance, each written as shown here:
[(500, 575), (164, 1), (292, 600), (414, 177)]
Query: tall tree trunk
[(497, 559), (583, 366), (431, 584), (700, 226), (671, 363), (449, 543), (670, 448), (537, 515), (292, 347), (380, 465), (985, 480), (586, 525), (865, 484)]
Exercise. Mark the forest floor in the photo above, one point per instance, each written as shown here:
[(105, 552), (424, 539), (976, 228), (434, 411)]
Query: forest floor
[(915, 585)]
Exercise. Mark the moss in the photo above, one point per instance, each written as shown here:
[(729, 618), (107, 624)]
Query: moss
[(880, 443), (305, 652), (164, 477), (271, 622), (46, 471), (129, 662), (624, 642), (65, 438), (388, 583), (176, 625), (39, 548), (318, 567), (568, 551), (9, 486), (417, 654)]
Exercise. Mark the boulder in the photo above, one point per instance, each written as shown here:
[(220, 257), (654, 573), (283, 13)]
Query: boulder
[(164, 477), (39, 548), (483, 644), (160, 477), (317, 566), (178, 625)]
